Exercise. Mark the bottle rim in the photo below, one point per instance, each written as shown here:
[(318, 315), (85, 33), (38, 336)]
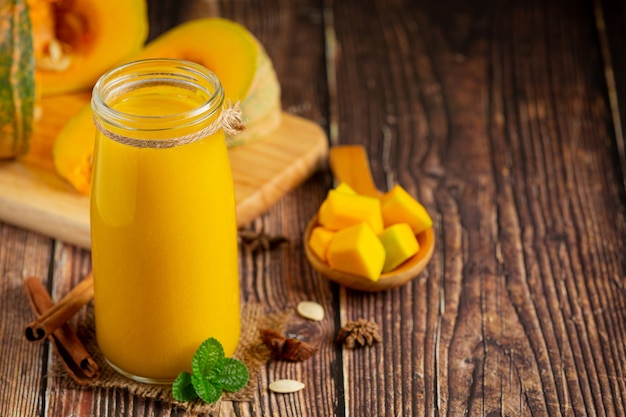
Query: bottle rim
[(134, 75)]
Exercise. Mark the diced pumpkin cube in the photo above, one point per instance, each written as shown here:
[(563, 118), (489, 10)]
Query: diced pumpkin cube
[(345, 189), (358, 251), (398, 206), (319, 240), (341, 210), (341, 188), (400, 244)]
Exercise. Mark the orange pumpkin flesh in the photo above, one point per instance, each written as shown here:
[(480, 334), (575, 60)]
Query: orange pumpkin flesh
[(223, 46), (76, 41)]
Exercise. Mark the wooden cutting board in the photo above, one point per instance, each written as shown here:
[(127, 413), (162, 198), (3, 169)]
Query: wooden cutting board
[(33, 196)]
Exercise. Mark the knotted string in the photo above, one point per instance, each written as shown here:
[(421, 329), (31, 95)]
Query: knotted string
[(230, 120)]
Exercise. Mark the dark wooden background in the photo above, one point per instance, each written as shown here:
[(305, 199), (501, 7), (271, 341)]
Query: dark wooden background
[(505, 119)]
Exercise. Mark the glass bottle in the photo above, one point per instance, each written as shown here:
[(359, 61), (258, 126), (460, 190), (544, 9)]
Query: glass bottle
[(163, 221)]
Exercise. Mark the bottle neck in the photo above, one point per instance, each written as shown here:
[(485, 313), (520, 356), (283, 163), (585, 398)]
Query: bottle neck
[(158, 103)]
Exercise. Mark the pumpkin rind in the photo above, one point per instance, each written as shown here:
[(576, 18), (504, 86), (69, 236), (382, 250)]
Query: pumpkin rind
[(261, 108), (17, 84)]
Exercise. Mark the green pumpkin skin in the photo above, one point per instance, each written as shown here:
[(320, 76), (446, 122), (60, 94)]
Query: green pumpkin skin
[(17, 79)]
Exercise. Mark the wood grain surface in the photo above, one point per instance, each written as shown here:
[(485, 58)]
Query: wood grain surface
[(504, 119)]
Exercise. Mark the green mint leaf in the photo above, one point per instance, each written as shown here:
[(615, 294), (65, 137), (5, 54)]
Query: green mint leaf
[(182, 389), (208, 389), (211, 374), (208, 360), (234, 376)]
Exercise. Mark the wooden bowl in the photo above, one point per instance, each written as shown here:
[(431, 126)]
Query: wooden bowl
[(406, 272), (350, 164)]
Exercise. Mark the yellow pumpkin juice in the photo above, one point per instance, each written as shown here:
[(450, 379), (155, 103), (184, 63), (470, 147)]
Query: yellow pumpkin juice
[(164, 233)]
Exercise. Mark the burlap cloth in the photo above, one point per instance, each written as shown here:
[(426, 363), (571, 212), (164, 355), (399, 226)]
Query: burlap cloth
[(250, 351)]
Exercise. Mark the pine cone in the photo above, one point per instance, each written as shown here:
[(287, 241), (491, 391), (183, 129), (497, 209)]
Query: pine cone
[(359, 333)]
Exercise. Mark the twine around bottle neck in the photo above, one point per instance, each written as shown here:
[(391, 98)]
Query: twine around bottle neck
[(230, 120)]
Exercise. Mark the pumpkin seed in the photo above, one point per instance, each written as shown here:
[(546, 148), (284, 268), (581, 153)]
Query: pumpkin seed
[(310, 310), (286, 386)]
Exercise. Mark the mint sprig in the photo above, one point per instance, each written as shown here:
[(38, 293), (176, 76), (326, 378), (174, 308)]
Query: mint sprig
[(183, 389), (212, 373)]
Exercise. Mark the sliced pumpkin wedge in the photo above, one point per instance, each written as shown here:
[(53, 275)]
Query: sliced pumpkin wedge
[(72, 153), (226, 48), (78, 40), (223, 46)]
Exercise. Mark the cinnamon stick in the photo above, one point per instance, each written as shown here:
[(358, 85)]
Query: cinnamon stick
[(60, 313), (74, 356)]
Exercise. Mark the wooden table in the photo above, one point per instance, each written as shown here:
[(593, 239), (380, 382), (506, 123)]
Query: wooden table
[(504, 119)]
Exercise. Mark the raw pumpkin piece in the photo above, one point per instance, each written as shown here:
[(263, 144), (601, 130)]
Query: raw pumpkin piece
[(400, 244), (77, 41), (319, 240), (345, 189), (226, 48), (341, 188), (73, 150), (340, 210), (17, 84), (398, 206), (358, 251), (237, 58)]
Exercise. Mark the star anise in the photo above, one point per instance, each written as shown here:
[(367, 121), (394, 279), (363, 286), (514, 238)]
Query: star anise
[(259, 240), (286, 349), (359, 333)]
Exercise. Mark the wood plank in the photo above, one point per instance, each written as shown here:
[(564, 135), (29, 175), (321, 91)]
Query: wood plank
[(22, 364), (610, 16), (494, 116)]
